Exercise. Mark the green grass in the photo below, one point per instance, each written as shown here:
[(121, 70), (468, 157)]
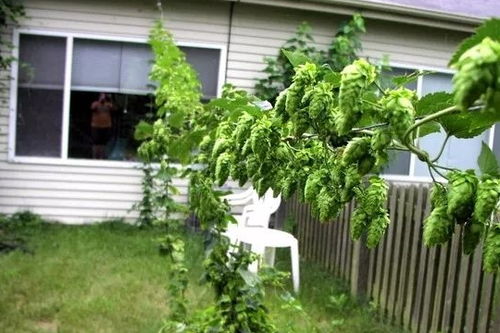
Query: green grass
[(110, 278)]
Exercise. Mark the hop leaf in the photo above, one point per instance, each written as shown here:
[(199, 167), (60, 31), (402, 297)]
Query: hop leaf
[(438, 227), (491, 250), (461, 194)]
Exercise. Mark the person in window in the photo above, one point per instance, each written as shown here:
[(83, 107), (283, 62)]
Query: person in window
[(101, 124)]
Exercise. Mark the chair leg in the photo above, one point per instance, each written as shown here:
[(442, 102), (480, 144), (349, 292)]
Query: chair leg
[(294, 249), (259, 250), (270, 254)]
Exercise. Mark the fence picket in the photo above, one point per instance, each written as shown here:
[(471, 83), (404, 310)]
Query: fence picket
[(424, 290)]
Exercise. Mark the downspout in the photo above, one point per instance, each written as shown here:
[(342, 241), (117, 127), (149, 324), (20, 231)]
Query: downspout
[(229, 33)]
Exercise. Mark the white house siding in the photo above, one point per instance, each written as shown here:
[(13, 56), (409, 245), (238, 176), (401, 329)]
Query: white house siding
[(81, 194), (259, 31)]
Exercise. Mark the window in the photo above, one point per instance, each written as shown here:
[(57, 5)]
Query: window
[(461, 153), (90, 112)]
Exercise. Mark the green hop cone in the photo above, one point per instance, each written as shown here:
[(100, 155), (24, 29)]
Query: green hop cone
[(293, 97), (439, 195), (472, 235), (220, 145), (375, 196), (320, 99), (491, 249), (488, 194), (359, 223), (354, 79), (377, 228), (301, 122), (327, 204), (252, 165), (222, 168), (399, 110), (366, 164), (239, 172), (438, 227), (477, 73), (313, 185), (461, 194), (280, 106), (356, 150), (381, 139), (288, 186), (352, 179)]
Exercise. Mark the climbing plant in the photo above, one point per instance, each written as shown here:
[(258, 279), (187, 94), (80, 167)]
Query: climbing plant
[(329, 133), (325, 139), (10, 13), (341, 52)]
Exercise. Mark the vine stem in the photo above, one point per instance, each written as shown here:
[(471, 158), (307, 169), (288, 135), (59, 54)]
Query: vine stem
[(442, 148)]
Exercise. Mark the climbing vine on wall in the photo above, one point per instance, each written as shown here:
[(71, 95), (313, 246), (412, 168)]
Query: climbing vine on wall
[(341, 52), (10, 13)]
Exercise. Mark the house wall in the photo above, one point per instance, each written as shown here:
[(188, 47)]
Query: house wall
[(84, 193)]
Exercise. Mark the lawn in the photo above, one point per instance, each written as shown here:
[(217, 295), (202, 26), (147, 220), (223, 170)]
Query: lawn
[(110, 278)]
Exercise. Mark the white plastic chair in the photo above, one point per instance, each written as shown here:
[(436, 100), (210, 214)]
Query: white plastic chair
[(253, 229), (259, 239)]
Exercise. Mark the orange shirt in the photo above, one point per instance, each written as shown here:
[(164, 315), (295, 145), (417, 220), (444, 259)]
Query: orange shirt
[(101, 114)]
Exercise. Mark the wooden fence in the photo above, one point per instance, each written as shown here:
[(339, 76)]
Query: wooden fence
[(423, 289)]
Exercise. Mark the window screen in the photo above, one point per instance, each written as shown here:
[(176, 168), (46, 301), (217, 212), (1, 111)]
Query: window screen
[(460, 153), (40, 95), (206, 64)]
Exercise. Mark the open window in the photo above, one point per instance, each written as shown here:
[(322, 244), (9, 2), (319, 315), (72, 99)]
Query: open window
[(81, 98)]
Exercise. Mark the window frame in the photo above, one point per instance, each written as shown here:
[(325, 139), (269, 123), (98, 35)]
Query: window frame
[(69, 37), (411, 177)]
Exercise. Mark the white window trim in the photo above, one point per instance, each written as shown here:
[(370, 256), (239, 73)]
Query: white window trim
[(70, 36)]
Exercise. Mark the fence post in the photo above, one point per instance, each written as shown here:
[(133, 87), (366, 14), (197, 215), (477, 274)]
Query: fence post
[(359, 269)]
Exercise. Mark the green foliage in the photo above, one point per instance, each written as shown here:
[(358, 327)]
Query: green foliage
[(491, 250), (461, 194), (355, 78), (487, 161), (301, 49), (10, 13), (490, 29), (476, 78)]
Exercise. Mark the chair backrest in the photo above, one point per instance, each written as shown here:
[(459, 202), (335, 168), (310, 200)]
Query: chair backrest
[(258, 218), (273, 203)]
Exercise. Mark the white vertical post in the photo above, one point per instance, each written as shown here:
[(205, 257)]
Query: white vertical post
[(11, 150), (66, 99), (413, 159)]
